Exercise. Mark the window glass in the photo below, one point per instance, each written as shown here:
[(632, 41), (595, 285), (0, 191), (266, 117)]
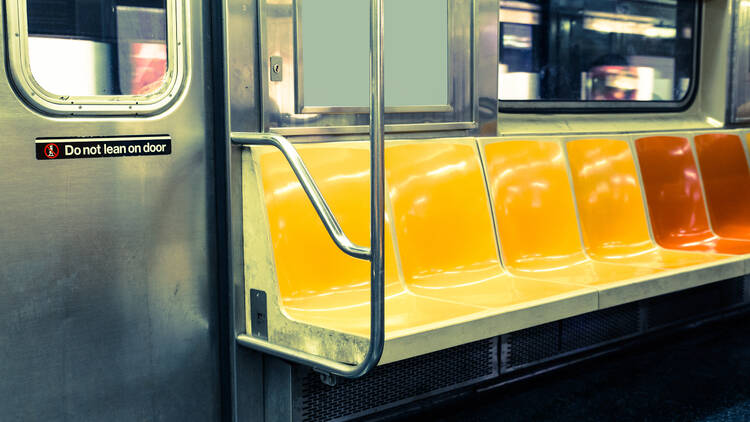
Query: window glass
[(335, 68), (596, 50), (97, 47)]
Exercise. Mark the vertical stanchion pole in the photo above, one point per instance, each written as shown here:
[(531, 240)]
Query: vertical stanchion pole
[(376, 253), (377, 177)]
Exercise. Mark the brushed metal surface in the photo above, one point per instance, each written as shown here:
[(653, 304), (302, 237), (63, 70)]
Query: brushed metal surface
[(241, 68), (242, 92), (375, 254), (472, 57), (107, 280)]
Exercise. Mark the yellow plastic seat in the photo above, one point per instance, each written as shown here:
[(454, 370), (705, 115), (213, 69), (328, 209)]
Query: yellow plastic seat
[(444, 229), (445, 284), (319, 284), (611, 210), (536, 217)]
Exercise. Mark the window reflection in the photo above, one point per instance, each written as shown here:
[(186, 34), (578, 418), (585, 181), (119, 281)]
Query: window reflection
[(105, 47), (595, 50)]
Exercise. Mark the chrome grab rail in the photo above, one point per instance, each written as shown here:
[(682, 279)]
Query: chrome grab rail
[(309, 186), (375, 254)]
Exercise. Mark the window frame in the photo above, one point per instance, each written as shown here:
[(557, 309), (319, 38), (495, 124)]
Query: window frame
[(279, 36), (599, 107), (96, 105), (739, 88)]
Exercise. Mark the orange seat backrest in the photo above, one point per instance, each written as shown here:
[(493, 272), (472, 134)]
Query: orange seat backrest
[(533, 204), (307, 261), (726, 180), (608, 194), (673, 190), (443, 222)]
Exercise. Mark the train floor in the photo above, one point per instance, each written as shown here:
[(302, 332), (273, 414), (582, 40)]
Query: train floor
[(702, 374)]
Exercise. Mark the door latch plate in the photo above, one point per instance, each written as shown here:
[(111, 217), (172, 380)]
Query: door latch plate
[(259, 314), (277, 66)]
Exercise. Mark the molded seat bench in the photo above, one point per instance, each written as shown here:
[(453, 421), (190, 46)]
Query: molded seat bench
[(726, 181), (444, 230), (445, 285), (319, 284), (611, 209), (539, 232), (536, 216), (675, 200)]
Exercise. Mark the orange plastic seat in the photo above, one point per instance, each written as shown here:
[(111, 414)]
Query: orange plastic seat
[(319, 284), (536, 216), (444, 231), (611, 210), (675, 200), (726, 181)]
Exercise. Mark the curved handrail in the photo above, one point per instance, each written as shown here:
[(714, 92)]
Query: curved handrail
[(376, 253), (308, 185)]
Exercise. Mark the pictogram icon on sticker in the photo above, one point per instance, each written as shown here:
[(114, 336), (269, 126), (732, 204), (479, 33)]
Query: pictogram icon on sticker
[(51, 151)]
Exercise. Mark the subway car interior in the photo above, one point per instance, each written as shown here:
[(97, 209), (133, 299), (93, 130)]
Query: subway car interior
[(319, 210)]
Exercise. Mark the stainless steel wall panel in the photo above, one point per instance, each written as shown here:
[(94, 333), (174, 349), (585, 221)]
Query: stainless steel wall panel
[(242, 92), (108, 307), (242, 73), (472, 57)]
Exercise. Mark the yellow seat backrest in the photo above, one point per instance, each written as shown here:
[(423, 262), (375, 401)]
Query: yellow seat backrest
[(308, 263), (443, 223), (609, 198), (533, 205)]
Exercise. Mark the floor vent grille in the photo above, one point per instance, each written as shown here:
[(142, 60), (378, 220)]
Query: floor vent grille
[(395, 383), (401, 382), (688, 304), (535, 345), (538, 344)]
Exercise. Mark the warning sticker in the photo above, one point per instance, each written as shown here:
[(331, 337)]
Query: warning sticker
[(64, 149)]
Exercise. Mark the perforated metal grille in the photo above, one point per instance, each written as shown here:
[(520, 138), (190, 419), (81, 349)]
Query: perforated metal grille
[(391, 384), (396, 383), (599, 327), (743, 290), (531, 345), (537, 344), (735, 292), (694, 302)]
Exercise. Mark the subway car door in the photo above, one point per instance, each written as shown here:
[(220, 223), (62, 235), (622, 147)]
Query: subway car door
[(108, 297)]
